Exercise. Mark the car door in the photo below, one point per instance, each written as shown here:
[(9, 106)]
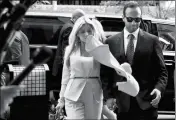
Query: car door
[(149, 27), (166, 31)]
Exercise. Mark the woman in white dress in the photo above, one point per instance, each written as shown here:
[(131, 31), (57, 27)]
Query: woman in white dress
[(81, 90)]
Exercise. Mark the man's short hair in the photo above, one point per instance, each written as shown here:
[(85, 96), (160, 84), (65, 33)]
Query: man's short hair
[(131, 4), (79, 12)]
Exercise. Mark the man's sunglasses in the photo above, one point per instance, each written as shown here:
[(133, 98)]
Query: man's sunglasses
[(130, 19)]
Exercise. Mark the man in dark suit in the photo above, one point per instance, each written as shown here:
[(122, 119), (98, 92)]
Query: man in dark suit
[(63, 42), (143, 51)]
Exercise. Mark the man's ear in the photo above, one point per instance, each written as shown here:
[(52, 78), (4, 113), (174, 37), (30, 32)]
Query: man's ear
[(123, 18)]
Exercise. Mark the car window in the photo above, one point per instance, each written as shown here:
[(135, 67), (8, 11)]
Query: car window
[(40, 30), (112, 25), (167, 36)]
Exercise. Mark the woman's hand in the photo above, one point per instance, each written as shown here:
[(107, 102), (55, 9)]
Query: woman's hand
[(60, 105)]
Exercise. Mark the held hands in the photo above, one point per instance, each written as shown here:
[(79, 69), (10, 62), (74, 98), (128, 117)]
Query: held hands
[(156, 100), (109, 114), (111, 104), (108, 109)]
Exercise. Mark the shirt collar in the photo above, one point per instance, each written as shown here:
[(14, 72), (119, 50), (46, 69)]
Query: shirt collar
[(135, 33)]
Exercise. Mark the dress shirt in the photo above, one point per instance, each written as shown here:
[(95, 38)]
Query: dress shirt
[(126, 39)]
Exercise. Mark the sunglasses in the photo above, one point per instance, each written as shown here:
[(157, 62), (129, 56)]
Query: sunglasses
[(130, 19)]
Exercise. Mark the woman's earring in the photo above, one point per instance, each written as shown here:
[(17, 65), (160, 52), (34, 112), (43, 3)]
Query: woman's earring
[(79, 41)]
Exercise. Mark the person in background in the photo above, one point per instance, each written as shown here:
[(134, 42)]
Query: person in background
[(63, 34), (19, 50), (143, 52), (18, 53), (109, 109)]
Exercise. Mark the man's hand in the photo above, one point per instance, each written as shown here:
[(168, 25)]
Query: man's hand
[(156, 100), (111, 104)]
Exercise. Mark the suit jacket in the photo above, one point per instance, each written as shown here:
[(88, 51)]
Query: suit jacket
[(19, 50), (62, 43), (25, 57), (148, 68), (76, 76)]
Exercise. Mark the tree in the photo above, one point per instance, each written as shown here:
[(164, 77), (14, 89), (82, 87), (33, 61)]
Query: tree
[(110, 3), (164, 10), (153, 8)]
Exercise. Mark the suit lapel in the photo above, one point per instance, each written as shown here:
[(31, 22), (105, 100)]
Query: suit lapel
[(121, 47), (138, 45)]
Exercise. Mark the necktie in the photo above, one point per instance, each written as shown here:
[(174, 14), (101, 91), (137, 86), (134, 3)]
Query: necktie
[(130, 49)]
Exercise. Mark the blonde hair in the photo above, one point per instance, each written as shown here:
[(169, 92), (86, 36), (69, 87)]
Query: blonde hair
[(99, 29), (74, 43)]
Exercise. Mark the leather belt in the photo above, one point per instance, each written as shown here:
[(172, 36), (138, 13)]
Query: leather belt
[(84, 78)]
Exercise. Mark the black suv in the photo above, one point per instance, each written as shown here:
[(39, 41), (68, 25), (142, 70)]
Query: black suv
[(40, 27)]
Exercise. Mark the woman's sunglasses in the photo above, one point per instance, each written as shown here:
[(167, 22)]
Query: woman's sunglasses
[(130, 19)]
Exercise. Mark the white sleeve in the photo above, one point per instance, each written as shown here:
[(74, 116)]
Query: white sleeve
[(102, 54), (65, 75), (131, 87)]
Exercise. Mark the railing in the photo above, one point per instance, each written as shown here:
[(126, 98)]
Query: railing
[(40, 45), (166, 115)]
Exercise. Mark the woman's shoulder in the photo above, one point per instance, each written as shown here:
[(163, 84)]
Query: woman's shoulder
[(67, 50)]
